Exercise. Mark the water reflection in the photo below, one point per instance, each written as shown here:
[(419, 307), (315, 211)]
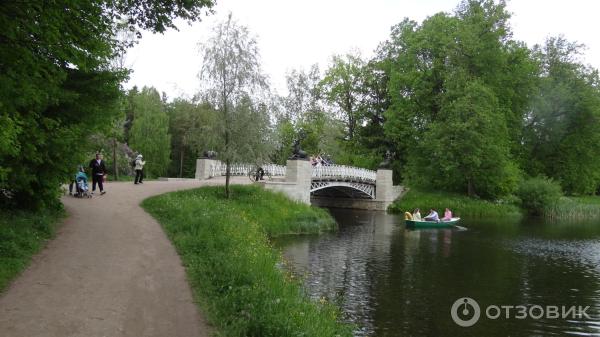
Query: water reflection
[(391, 281)]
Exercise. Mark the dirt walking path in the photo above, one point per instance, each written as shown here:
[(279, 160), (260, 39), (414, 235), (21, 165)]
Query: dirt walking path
[(110, 271)]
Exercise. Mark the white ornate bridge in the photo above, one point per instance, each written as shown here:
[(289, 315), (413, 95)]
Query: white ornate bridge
[(334, 185), (353, 182)]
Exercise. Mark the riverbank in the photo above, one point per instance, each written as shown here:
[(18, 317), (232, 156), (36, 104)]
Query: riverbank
[(22, 235), (574, 208), (567, 208), (231, 266), (459, 204)]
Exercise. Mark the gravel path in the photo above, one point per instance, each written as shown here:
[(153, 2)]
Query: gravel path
[(110, 271)]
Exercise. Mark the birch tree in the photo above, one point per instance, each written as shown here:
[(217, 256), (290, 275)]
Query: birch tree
[(231, 74)]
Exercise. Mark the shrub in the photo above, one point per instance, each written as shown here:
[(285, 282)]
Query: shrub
[(539, 193)]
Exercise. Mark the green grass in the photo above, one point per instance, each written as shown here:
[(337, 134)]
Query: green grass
[(460, 205), (22, 234), (574, 208), (235, 273), (587, 200)]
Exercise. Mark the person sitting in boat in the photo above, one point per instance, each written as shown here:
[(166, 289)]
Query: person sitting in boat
[(447, 215), (432, 216), (416, 216), (408, 216)]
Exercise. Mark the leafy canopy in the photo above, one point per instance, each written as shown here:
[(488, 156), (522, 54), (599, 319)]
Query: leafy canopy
[(57, 85)]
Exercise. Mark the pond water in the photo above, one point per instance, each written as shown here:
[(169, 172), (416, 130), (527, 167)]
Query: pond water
[(392, 281)]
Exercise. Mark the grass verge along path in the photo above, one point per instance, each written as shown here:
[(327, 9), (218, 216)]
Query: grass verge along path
[(232, 267), (22, 234)]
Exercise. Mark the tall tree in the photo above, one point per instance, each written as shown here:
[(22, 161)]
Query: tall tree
[(467, 148), (190, 125), (303, 98), (232, 73), (430, 62), (563, 125), (150, 132), (303, 109), (376, 102), (342, 87)]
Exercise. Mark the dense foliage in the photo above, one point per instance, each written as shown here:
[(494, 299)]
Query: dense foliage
[(150, 133), (458, 86), (232, 267), (562, 129), (466, 108), (189, 123), (57, 85)]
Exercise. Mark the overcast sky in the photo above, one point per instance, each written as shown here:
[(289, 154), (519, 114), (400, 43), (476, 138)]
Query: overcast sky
[(297, 34)]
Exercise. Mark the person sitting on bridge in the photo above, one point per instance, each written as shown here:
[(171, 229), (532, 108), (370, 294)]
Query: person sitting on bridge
[(260, 174), (319, 161), (447, 215), (432, 216), (416, 216)]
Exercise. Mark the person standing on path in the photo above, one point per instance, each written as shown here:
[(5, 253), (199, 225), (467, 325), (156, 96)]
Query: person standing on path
[(98, 172), (139, 169)]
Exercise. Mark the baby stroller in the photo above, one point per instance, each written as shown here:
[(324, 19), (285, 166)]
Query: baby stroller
[(81, 186)]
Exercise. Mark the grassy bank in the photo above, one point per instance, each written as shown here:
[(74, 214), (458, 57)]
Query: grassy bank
[(574, 208), (231, 266), (459, 204), (22, 234)]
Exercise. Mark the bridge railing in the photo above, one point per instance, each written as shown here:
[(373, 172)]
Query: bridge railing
[(275, 170), (330, 172), (220, 169), (345, 173)]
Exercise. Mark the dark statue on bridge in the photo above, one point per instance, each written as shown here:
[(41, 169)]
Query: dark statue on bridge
[(387, 161), (297, 152), (209, 155)]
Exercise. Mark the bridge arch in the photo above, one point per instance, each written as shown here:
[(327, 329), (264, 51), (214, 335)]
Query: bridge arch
[(342, 189)]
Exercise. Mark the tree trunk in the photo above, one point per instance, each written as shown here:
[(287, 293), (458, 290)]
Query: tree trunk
[(226, 119), (115, 170), (181, 163), (227, 160), (470, 188), (227, 174)]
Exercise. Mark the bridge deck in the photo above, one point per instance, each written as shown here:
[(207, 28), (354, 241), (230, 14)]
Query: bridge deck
[(340, 180)]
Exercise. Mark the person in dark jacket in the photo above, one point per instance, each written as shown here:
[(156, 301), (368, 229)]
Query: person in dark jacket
[(98, 172)]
